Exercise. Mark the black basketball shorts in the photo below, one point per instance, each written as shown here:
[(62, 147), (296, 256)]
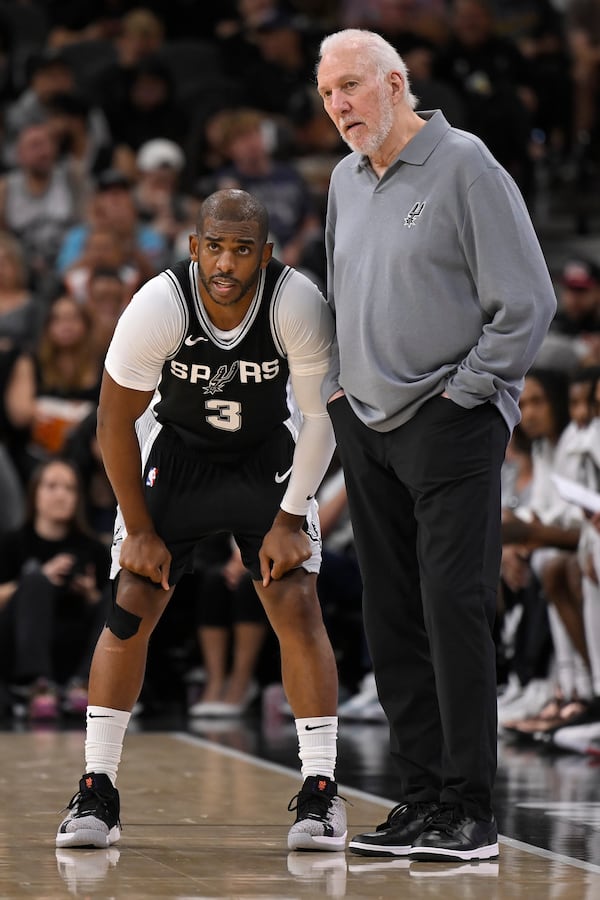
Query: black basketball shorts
[(190, 497)]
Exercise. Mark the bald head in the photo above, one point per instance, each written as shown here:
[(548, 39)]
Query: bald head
[(233, 205)]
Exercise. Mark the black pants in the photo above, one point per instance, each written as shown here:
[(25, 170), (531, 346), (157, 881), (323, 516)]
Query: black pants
[(425, 506), (46, 633)]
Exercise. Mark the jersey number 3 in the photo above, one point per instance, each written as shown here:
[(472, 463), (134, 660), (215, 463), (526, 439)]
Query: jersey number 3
[(228, 414)]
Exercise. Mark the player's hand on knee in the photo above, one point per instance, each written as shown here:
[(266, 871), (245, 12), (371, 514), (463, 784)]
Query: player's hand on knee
[(285, 547), (145, 554)]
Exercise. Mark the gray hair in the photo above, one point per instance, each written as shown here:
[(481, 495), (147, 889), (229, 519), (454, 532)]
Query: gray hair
[(371, 46)]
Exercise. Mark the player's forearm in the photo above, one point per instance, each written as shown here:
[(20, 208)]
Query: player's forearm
[(314, 449)]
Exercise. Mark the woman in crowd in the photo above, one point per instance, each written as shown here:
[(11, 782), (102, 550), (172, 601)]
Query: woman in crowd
[(53, 581)]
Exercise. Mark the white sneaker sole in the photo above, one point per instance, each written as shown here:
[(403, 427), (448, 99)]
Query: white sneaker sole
[(88, 837), (300, 841), (440, 853), (378, 849)]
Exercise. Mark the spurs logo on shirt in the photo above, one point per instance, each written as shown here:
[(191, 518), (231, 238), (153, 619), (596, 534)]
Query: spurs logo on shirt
[(415, 211)]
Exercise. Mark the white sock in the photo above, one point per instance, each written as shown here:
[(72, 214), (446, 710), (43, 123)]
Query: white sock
[(317, 745), (105, 732)]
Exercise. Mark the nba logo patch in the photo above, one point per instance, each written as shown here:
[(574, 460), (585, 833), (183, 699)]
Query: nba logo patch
[(151, 476)]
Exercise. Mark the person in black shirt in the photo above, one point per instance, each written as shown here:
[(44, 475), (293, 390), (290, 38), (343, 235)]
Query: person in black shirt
[(53, 575)]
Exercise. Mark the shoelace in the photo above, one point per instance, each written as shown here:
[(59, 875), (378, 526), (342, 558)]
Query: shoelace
[(87, 801), (310, 806), (419, 807), (445, 818)]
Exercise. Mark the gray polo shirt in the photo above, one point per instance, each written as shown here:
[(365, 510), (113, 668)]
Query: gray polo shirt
[(436, 278)]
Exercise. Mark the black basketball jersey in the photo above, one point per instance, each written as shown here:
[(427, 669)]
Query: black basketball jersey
[(222, 394)]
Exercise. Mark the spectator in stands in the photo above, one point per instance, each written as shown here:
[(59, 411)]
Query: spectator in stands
[(137, 35), (107, 297), (53, 575), (578, 736), (541, 540), (578, 312), (149, 109), (85, 154), (496, 86), (158, 197), (583, 36), (68, 376), (103, 249), (536, 27), (398, 19), (232, 628), (431, 92), (517, 472), (340, 591), (17, 391), (20, 312), (574, 336), (113, 207), (99, 500), (234, 33), (243, 136), (38, 199), (280, 80), (49, 75)]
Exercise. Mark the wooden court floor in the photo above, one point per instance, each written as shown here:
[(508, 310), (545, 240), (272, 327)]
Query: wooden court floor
[(202, 820)]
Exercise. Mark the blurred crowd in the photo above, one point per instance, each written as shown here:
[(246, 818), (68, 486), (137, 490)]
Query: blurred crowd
[(117, 119)]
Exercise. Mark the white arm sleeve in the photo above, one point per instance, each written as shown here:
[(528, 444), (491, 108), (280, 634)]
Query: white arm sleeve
[(305, 326), (148, 332)]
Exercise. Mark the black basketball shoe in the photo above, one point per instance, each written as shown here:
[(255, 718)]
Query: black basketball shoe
[(93, 818)]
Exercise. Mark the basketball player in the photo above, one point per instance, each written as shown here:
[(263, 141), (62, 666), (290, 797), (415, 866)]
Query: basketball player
[(200, 433)]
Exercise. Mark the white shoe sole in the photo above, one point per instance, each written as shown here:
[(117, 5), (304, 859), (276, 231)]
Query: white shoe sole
[(88, 837), (378, 849), (300, 841), (440, 853)]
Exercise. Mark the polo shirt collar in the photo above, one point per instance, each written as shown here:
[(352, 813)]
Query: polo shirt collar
[(422, 145)]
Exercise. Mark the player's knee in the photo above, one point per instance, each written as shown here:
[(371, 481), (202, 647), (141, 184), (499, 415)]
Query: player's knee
[(122, 623), (298, 610)]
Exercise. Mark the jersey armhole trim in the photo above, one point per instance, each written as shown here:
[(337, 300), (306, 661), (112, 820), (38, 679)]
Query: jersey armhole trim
[(177, 291)]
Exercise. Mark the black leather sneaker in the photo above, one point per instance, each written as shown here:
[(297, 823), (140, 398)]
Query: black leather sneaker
[(451, 834), (395, 836)]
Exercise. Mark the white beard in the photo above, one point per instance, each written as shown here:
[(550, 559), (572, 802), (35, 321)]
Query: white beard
[(377, 134)]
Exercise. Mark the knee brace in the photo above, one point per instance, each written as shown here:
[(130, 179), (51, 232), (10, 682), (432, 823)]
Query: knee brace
[(122, 623)]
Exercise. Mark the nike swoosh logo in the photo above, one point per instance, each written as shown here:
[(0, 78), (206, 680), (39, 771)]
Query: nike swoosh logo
[(99, 716), (190, 341), (314, 727), (279, 478)]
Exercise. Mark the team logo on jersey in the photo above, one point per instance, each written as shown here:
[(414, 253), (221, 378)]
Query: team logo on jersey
[(151, 477), (247, 371), (222, 376), (415, 211)]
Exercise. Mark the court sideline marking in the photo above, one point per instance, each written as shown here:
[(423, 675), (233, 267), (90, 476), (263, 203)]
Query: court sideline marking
[(372, 798)]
